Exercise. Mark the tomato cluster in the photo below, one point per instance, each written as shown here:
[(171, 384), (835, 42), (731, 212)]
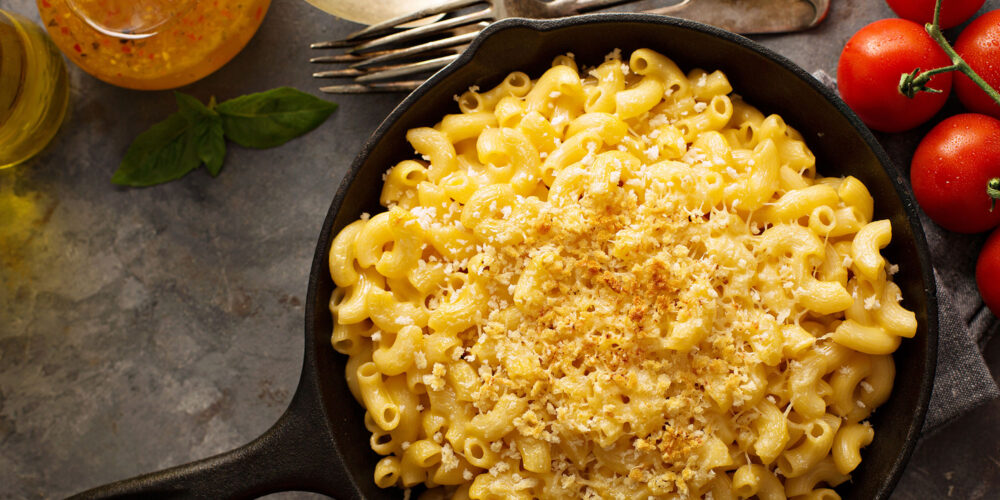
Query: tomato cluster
[(868, 74), (888, 74)]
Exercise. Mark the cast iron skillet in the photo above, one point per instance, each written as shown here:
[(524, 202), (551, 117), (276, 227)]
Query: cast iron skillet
[(320, 443)]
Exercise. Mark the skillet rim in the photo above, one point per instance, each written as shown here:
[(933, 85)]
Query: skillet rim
[(908, 202)]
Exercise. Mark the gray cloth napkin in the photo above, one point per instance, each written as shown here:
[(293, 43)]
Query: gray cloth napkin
[(965, 324)]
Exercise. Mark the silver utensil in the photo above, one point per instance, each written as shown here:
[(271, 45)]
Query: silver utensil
[(381, 57)]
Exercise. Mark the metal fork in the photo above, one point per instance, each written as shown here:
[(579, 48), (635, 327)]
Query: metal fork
[(379, 56)]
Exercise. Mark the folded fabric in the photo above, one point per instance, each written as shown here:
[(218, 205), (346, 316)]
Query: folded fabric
[(963, 381)]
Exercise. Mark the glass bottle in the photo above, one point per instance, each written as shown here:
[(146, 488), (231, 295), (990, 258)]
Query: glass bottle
[(34, 89)]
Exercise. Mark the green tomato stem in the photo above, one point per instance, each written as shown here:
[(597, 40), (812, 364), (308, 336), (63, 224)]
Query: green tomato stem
[(993, 191), (954, 67), (912, 83)]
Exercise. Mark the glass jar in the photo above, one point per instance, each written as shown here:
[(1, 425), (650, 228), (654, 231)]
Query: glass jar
[(373, 11), (34, 89), (151, 44)]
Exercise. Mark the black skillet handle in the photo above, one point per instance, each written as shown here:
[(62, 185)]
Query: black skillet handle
[(295, 454)]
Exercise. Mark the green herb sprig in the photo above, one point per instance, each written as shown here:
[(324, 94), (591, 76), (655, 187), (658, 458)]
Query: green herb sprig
[(196, 134)]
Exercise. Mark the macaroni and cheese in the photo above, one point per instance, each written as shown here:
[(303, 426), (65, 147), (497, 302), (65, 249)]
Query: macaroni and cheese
[(622, 282)]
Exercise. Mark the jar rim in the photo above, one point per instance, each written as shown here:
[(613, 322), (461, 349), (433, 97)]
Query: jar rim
[(125, 19)]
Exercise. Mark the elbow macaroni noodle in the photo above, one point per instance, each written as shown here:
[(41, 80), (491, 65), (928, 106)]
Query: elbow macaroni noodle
[(625, 283)]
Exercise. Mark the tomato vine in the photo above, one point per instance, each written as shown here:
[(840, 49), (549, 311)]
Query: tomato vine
[(912, 83)]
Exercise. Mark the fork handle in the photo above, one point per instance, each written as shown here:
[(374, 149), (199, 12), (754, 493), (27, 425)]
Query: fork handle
[(751, 16), (567, 7)]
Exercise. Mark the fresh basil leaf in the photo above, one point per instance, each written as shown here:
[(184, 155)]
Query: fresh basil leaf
[(271, 118), (197, 133), (206, 132), (163, 153), (211, 144), (192, 109)]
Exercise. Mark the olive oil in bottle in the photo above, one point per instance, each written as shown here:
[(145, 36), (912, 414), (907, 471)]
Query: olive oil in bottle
[(34, 89)]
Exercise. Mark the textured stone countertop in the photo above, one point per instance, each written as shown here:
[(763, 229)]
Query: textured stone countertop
[(144, 328)]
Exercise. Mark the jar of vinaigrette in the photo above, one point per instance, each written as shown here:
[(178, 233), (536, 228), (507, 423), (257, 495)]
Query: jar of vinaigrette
[(34, 89), (151, 44)]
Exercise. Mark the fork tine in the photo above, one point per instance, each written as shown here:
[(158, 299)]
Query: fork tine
[(428, 29), (387, 26), (336, 44), (349, 58), (364, 88), (340, 73), (406, 69), (386, 72), (416, 50)]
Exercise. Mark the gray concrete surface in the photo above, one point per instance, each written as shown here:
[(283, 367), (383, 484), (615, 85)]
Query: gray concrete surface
[(140, 329)]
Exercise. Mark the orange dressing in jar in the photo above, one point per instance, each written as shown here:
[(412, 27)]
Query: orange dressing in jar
[(151, 44)]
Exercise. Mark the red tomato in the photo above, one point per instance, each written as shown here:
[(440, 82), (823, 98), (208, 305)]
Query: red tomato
[(950, 170), (953, 12), (870, 66), (979, 45), (988, 272)]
